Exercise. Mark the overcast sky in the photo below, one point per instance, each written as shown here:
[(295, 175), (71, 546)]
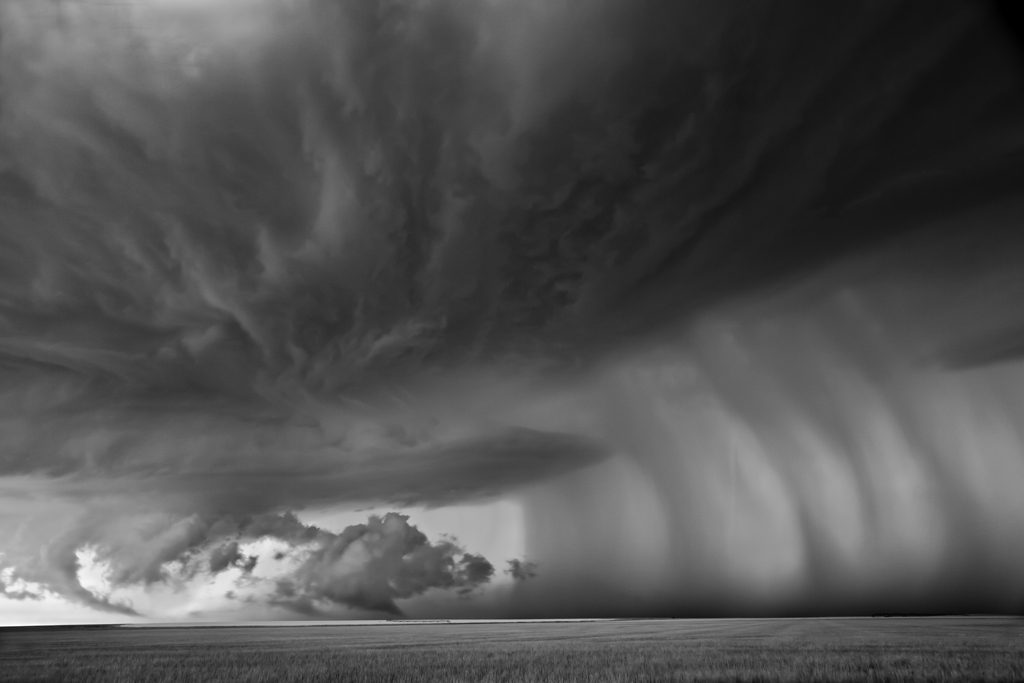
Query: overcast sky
[(509, 308)]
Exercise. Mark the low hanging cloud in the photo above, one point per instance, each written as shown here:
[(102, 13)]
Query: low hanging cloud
[(16, 589), (370, 566), (521, 570), (228, 555), (205, 521), (310, 571)]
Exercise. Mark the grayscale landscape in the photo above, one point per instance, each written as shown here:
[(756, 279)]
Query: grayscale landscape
[(519, 340)]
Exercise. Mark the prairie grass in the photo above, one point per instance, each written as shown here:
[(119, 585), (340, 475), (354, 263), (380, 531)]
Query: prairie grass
[(898, 649)]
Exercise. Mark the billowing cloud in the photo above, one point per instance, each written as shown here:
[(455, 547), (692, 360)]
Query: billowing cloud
[(227, 555), (109, 558), (371, 565), (16, 589), (343, 194), (260, 255)]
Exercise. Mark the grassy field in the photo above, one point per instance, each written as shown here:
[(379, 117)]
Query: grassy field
[(861, 649)]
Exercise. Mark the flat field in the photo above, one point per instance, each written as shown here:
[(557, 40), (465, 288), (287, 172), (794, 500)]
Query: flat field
[(840, 649)]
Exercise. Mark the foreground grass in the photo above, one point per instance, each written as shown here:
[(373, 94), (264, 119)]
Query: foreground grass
[(980, 649)]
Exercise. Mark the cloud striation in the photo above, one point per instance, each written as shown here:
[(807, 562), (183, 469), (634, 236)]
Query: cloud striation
[(682, 275)]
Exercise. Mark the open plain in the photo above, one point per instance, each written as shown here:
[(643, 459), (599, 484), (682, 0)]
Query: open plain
[(827, 649)]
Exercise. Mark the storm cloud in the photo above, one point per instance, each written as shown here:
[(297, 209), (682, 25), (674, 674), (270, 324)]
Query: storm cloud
[(364, 567), (657, 268)]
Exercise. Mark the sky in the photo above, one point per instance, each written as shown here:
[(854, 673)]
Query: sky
[(350, 309)]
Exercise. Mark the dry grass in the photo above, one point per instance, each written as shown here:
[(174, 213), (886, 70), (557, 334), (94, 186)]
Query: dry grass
[(898, 649)]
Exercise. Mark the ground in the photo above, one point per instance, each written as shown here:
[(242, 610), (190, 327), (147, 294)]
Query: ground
[(833, 649)]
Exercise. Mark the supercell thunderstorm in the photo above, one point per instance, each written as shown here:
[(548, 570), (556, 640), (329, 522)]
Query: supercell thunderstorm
[(727, 294)]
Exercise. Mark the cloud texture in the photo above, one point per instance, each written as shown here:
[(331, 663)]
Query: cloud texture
[(260, 255), (108, 559)]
